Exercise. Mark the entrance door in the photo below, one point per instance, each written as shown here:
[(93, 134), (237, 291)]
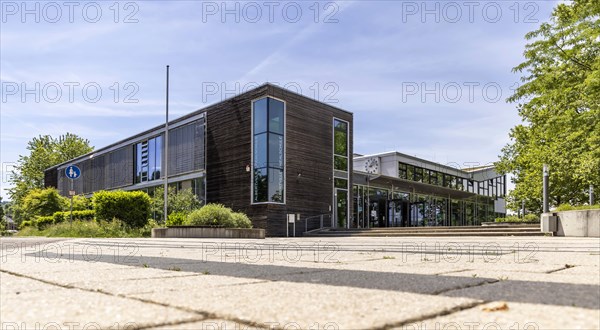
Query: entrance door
[(341, 208), (417, 214), (397, 213)]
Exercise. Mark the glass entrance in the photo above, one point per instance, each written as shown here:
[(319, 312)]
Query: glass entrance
[(397, 213), (341, 207)]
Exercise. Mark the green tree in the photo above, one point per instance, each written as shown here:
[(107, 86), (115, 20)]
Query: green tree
[(558, 102), (44, 151), (2, 222)]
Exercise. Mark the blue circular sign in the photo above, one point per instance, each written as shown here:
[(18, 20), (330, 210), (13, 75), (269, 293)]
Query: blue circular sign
[(72, 172)]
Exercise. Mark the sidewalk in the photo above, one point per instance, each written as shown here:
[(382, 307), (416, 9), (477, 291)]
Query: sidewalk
[(333, 283)]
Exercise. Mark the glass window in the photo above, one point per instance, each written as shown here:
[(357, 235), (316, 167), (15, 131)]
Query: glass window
[(418, 174), (410, 172), (275, 116), (268, 151), (260, 184), (260, 116), (260, 153), (341, 183), (341, 163), (426, 176), (402, 171), (275, 185), (433, 177), (275, 150), (148, 160), (341, 138)]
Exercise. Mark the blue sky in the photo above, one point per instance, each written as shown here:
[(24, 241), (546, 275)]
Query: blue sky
[(426, 78)]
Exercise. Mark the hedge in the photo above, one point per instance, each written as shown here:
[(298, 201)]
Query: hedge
[(131, 207), (43, 222)]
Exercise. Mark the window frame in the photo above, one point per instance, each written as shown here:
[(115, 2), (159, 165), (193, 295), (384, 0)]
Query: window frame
[(252, 167)]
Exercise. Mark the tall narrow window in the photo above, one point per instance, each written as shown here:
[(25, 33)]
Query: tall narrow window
[(340, 145), (340, 172), (268, 139), (148, 159)]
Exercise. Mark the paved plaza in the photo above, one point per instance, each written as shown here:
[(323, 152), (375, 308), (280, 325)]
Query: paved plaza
[(298, 283)]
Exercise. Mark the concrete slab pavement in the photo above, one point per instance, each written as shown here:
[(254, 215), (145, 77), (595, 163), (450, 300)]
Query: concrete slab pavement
[(334, 283)]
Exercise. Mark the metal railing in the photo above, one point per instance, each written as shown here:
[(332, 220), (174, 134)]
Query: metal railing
[(318, 222)]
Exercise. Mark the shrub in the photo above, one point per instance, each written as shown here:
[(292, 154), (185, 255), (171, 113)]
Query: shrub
[(568, 207), (85, 215), (80, 203), (241, 220), (176, 219), (531, 217), (131, 207), (41, 202), (211, 215), (514, 218), (43, 222), (217, 215), (114, 228), (183, 201), (26, 223)]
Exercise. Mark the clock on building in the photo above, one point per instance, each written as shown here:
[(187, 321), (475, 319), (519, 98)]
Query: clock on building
[(372, 165)]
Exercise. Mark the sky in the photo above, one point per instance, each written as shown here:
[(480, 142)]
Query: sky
[(425, 78)]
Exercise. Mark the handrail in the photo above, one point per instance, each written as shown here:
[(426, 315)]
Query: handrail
[(320, 216)]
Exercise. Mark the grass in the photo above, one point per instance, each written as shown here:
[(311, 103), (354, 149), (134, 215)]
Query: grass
[(113, 228)]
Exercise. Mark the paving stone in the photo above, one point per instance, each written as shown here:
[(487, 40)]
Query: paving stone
[(535, 292), (517, 316), (388, 281), (308, 304), (15, 285), (213, 324), (45, 305), (186, 283)]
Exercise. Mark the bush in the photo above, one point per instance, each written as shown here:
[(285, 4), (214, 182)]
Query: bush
[(131, 207), (86, 215), (568, 207), (113, 228), (176, 219), (183, 201), (41, 203), (43, 222), (241, 220), (514, 218), (219, 216), (26, 223)]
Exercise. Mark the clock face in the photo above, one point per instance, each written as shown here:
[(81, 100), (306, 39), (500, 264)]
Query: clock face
[(372, 165)]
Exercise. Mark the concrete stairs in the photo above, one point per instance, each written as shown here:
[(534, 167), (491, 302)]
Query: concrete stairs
[(495, 230)]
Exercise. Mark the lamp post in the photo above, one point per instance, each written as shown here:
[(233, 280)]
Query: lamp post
[(545, 189), (166, 185), (591, 194)]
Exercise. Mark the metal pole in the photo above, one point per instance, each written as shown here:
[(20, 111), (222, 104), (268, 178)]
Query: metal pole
[(166, 158), (523, 208), (591, 194), (545, 190), (368, 200), (71, 215)]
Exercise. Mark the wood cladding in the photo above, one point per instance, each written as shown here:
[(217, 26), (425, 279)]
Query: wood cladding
[(309, 157)]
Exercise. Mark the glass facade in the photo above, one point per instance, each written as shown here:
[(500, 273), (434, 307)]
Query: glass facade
[(379, 207), (268, 147), (148, 160), (493, 187)]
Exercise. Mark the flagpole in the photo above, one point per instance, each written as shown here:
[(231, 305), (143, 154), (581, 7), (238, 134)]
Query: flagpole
[(166, 157)]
